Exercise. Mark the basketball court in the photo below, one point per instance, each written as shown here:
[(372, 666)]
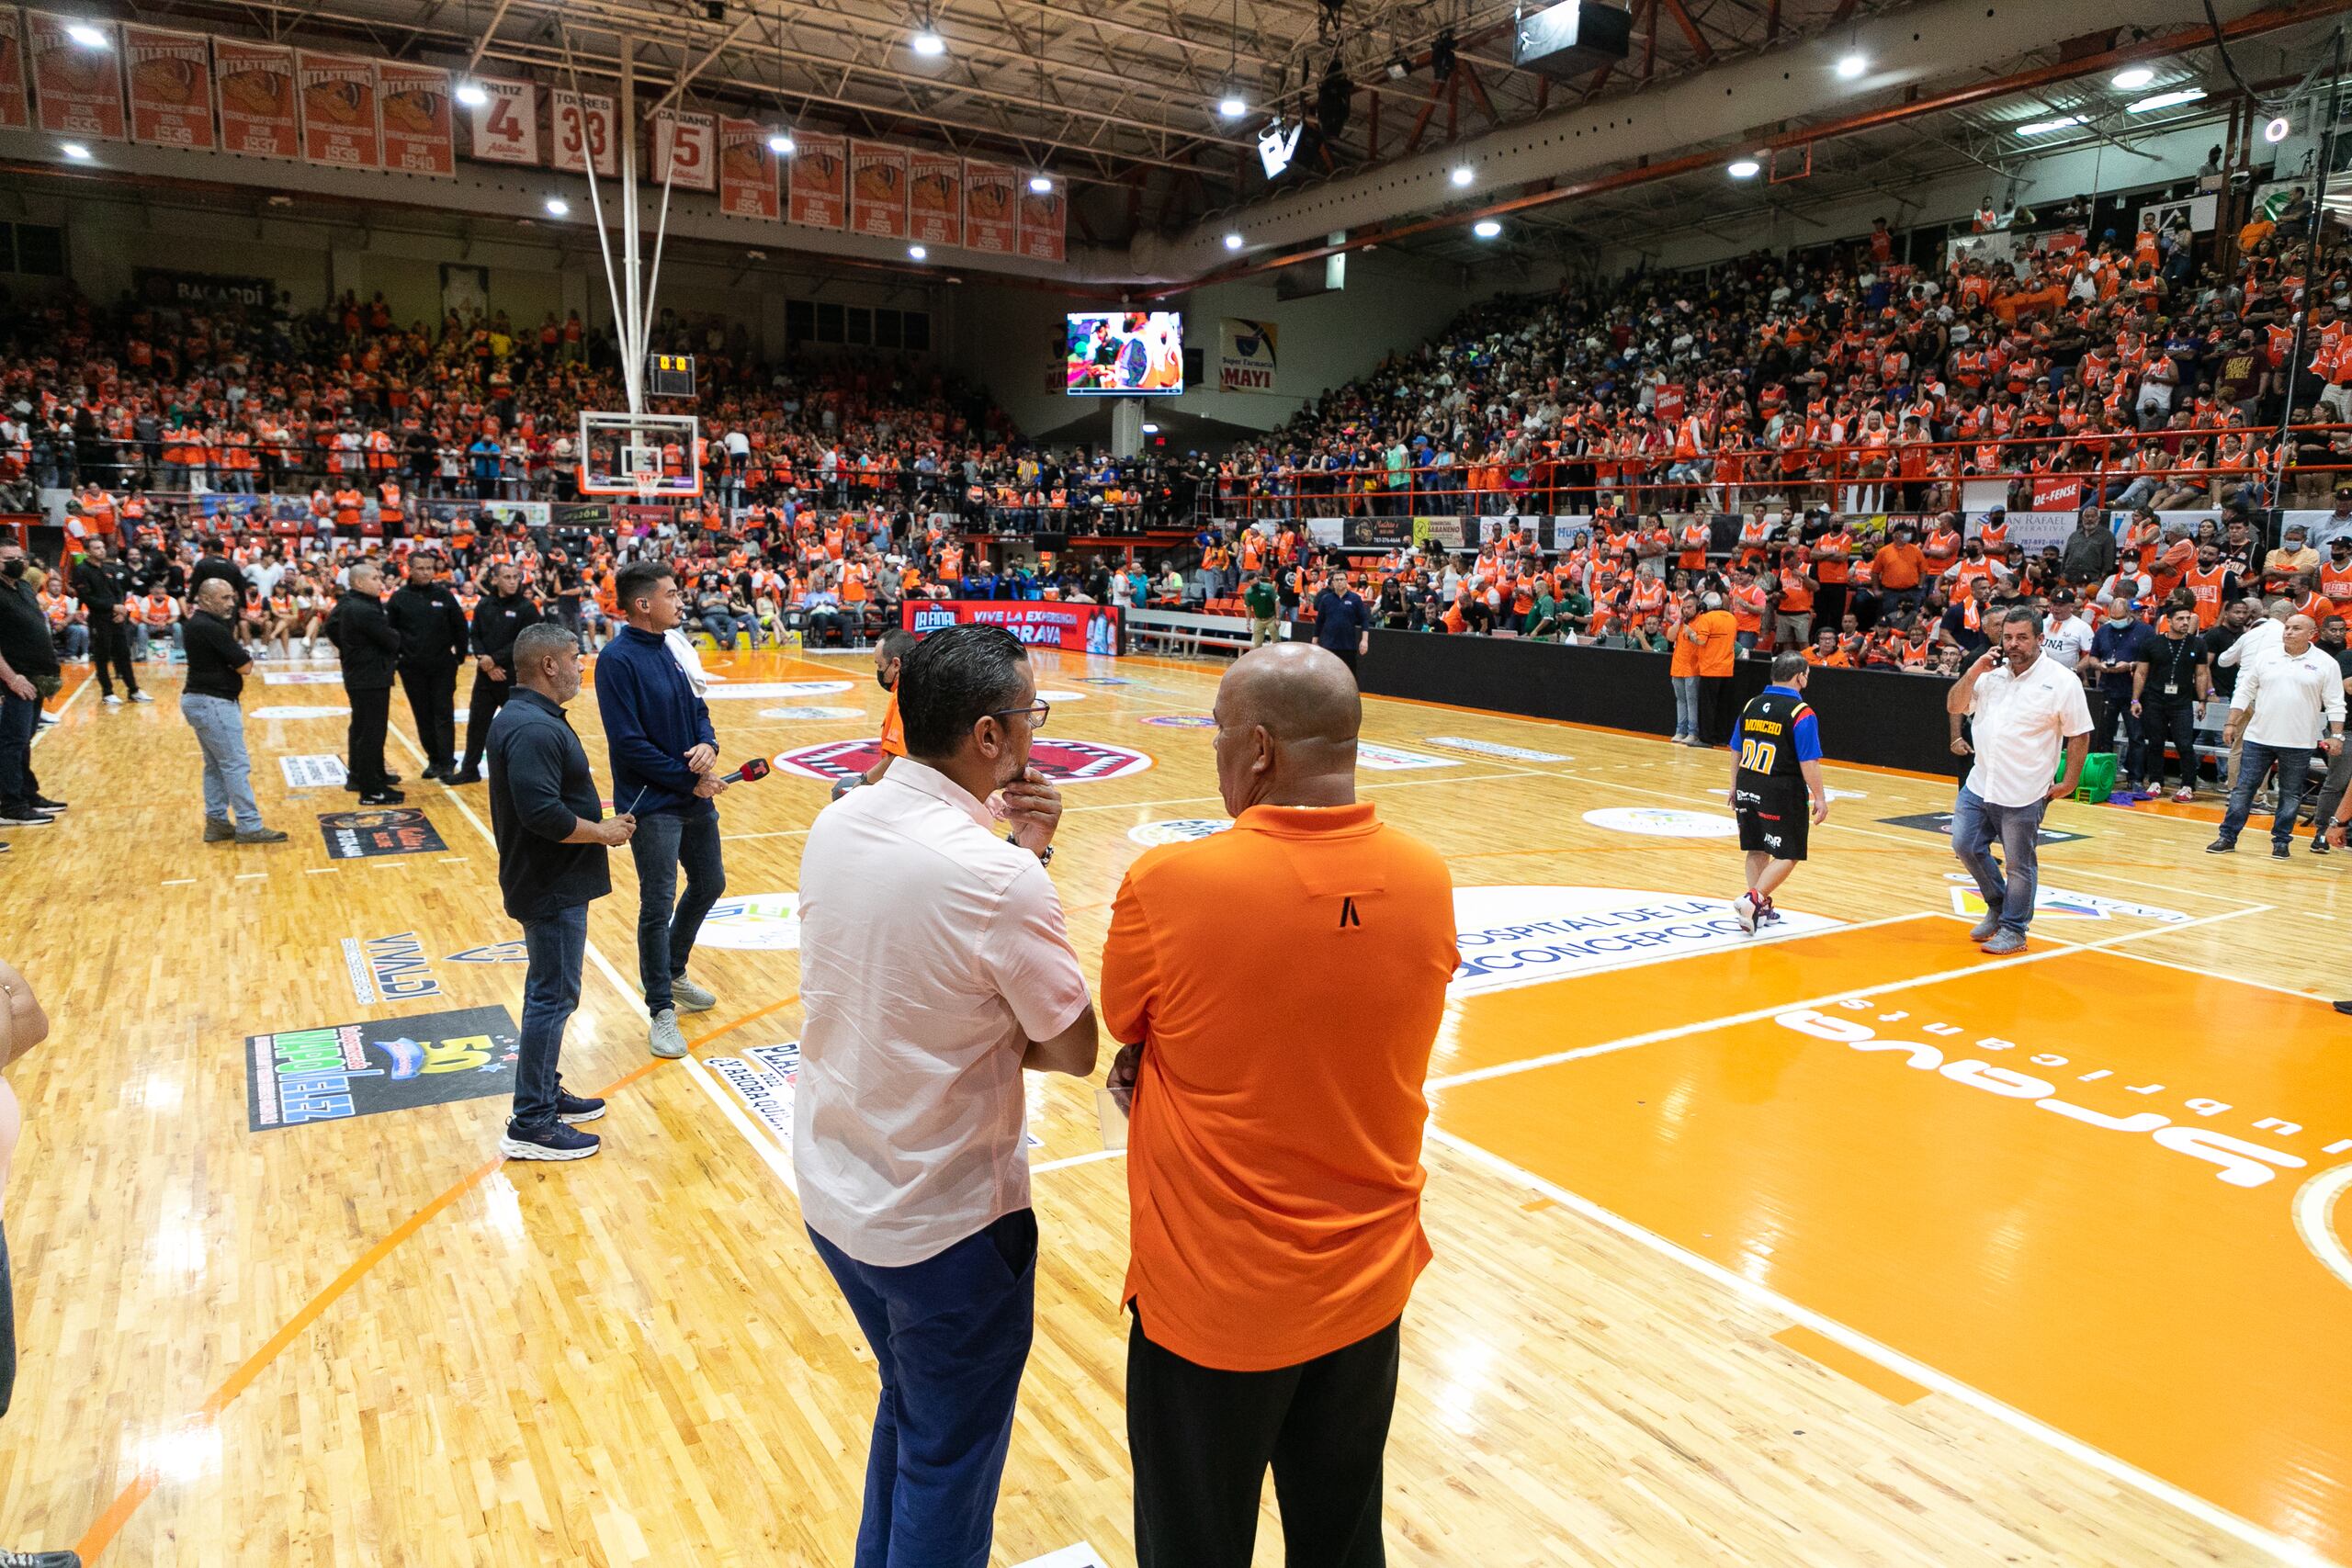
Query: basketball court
[(1846, 1245)]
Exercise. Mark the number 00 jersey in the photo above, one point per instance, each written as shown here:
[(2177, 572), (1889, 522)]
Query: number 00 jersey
[(1777, 733)]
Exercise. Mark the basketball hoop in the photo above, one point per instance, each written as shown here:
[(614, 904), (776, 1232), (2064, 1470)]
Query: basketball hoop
[(647, 482)]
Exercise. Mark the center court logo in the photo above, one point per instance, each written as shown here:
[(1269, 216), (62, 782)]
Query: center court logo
[(1659, 822), (760, 922), (1178, 831), (812, 711), (776, 691), (1181, 721), (1516, 936), (1064, 761)]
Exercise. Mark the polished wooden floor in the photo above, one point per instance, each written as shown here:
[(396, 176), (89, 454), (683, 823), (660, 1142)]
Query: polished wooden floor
[(1852, 1246)]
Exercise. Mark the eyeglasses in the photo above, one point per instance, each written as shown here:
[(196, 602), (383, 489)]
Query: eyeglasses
[(1037, 712)]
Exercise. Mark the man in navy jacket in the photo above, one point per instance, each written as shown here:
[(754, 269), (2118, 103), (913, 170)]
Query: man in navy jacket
[(665, 773)]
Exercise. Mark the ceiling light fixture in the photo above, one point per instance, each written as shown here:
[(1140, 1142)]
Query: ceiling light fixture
[(1461, 175), (473, 94), (2131, 78), (916, 253), (781, 144), (1744, 168), (927, 44), (74, 151), (1233, 242), (558, 207), (2044, 127), (1486, 228), (1040, 184), (2278, 131), (1231, 106), (89, 35), (1852, 65), (2173, 100)]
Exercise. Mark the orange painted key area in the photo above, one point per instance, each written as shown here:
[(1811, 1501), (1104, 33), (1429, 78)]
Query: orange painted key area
[(2069, 1184)]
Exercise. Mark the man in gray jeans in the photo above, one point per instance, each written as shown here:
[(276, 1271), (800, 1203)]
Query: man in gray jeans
[(216, 678)]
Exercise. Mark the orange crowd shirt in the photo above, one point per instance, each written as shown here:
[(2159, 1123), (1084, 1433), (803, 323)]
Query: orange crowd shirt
[(1718, 645), (1274, 1150), (894, 733)]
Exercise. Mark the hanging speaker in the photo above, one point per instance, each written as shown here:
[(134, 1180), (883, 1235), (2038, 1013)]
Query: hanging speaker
[(1575, 38)]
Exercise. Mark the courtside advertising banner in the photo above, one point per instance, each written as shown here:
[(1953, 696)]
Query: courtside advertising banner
[(584, 134), (746, 171), (339, 110), (16, 108), (420, 129), (255, 84), (78, 91), (1073, 628), (934, 199), (878, 190), (1245, 356), (820, 194), (505, 128), (171, 87), (991, 208)]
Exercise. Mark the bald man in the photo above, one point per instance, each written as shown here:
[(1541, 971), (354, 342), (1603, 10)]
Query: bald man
[(1275, 1145), (2287, 705)]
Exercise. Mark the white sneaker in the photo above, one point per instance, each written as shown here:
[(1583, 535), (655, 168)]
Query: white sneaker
[(1745, 908), (690, 996), (111, 700), (141, 697), (663, 1038)]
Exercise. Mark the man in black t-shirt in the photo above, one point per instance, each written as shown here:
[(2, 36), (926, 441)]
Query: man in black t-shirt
[(2175, 673), (103, 585), (215, 680)]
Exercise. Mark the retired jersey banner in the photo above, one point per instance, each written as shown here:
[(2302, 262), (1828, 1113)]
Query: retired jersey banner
[(877, 185), (991, 208), (76, 91), (1042, 214), (338, 110), (935, 198), (506, 127), (683, 149), (746, 171), (16, 108), (171, 87), (1038, 623), (583, 134), (819, 195), (1245, 356), (255, 84), (420, 131)]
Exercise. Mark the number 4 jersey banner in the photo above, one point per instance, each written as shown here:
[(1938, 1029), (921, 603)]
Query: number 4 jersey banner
[(343, 1070), (506, 127)]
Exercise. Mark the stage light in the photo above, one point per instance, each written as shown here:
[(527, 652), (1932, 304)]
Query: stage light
[(1486, 228), (74, 151), (1462, 177), (1744, 168), (1851, 66), (916, 253), (86, 35), (2278, 131), (558, 207), (781, 144), (2131, 78), (2173, 100), (2044, 127), (473, 94), (928, 44), (1040, 184), (1233, 242), (1231, 107)]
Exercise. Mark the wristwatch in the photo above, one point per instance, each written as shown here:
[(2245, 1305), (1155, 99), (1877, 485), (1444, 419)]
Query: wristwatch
[(1044, 856)]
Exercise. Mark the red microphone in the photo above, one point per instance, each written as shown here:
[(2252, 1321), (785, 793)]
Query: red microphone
[(757, 768)]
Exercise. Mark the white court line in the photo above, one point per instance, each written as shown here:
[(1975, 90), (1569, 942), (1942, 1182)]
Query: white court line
[(1095, 1158), (71, 698), (2313, 1201), (180, 882), (320, 870), (1756, 1015), (780, 833), (251, 876), (2187, 1502)]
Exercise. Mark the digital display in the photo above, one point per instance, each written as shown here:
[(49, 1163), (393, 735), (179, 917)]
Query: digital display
[(1124, 354)]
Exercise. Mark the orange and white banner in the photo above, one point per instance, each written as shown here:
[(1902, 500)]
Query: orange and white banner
[(584, 134), (935, 198), (1042, 214), (878, 190), (506, 127), (255, 84), (820, 197), (746, 171), (16, 108), (683, 147), (420, 131), (76, 91), (991, 208), (338, 110), (171, 87)]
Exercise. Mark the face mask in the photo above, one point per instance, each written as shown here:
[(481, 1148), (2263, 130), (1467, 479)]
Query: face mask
[(883, 680), (13, 569)]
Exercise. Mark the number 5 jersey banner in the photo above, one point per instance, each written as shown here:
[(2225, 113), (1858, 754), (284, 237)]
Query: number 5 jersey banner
[(1073, 628), (684, 148)]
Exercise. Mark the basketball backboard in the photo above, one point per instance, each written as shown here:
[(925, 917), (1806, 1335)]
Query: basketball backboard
[(653, 456)]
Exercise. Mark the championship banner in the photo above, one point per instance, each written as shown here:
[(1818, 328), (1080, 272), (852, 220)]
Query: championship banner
[(746, 171), (256, 85), (584, 134), (77, 91), (1038, 623), (338, 110), (935, 198), (171, 87), (506, 129), (1042, 217), (819, 193), (420, 131), (683, 149), (877, 183), (991, 208), (16, 109), (1245, 356)]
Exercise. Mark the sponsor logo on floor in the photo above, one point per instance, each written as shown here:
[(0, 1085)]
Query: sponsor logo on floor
[(300, 678), (362, 835), (1062, 760), (387, 968), (2061, 903), (494, 952), (776, 691), (1660, 822), (290, 711), (1389, 760), (1178, 831), (343, 1070), (1045, 696), (313, 770), (1528, 935), (757, 922), (811, 712), (1496, 748), (1104, 680), (1941, 822), (1180, 721), (763, 1078)]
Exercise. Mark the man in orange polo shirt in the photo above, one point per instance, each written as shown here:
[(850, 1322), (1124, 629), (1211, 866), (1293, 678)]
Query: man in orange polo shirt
[(1898, 568), (1273, 1154), (888, 654), (1713, 636)]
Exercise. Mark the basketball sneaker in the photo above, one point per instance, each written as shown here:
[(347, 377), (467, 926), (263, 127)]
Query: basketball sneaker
[(690, 996), (1748, 910), (554, 1142), (1769, 915), (570, 1107)]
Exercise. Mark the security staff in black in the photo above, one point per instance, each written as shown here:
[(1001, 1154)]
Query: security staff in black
[(363, 633), (433, 630), (103, 585), (2178, 675), (1776, 765), (499, 619)]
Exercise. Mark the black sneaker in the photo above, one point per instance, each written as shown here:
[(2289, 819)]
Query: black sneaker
[(2279, 851), (2222, 847), (42, 802), (570, 1107), (383, 797), (2319, 846), (390, 779), (554, 1142), (4, 846), (469, 776), (40, 1560), (22, 814)]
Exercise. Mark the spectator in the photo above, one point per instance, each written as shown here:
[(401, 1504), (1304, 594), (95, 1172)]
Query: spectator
[(2288, 703)]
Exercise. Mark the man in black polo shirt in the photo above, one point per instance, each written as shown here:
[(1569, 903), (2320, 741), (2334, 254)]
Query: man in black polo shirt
[(1342, 625), (103, 585), (499, 617), (433, 630), (363, 633), (544, 813), (208, 697)]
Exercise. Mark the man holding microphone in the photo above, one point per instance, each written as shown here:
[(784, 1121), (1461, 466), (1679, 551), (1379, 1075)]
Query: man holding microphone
[(1273, 1151)]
